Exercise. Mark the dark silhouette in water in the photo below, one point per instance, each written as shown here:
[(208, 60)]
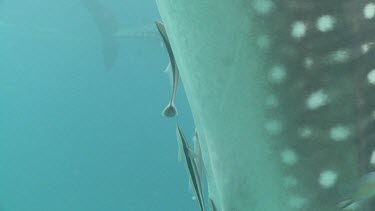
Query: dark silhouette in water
[(107, 26)]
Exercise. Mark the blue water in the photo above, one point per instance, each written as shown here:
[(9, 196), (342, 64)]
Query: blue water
[(75, 136)]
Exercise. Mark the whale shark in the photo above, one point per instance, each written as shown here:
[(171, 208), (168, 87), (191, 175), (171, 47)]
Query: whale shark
[(281, 96), (108, 26), (111, 31)]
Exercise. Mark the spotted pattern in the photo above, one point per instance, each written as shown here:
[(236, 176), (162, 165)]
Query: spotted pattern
[(308, 62), (263, 6), (328, 178), (339, 133), (369, 11), (274, 127), (323, 95), (277, 74), (289, 157), (305, 132), (298, 29), (372, 158), (325, 23), (371, 77), (316, 100)]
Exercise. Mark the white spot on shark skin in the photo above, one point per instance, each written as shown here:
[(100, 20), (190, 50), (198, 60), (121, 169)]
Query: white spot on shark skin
[(354, 206), (325, 23), (297, 202), (308, 62), (277, 74), (263, 6), (371, 77), (369, 11), (298, 29), (339, 133), (365, 47), (289, 157), (273, 127), (290, 181), (317, 99), (340, 56), (263, 42), (328, 178), (372, 158), (272, 101), (305, 132)]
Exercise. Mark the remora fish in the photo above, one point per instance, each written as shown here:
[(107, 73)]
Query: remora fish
[(192, 167), (212, 205), (170, 110), (198, 156), (365, 190)]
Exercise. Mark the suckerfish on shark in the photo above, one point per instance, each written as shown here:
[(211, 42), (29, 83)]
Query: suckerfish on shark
[(364, 191), (212, 205), (198, 156), (172, 69), (189, 156)]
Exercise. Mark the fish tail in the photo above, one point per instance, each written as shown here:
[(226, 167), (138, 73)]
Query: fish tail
[(170, 110), (345, 203)]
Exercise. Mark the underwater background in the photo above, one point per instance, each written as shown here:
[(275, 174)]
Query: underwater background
[(76, 134)]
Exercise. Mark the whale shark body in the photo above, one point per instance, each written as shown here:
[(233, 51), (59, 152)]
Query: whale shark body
[(282, 97)]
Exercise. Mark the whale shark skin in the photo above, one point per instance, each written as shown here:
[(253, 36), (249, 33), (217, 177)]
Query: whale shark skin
[(281, 97)]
